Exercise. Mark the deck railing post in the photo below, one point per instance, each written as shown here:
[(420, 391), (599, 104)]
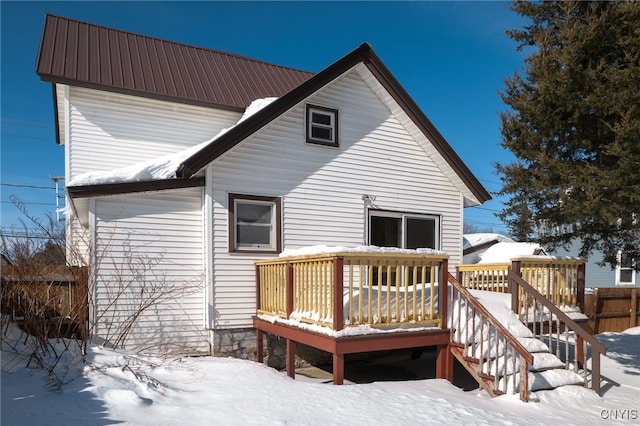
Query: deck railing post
[(257, 288), (580, 286), (338, 293), (442, 292), (513, 285), (289, 289)]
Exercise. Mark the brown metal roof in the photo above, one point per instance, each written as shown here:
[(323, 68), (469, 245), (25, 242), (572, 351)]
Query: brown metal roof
[(88, 55)]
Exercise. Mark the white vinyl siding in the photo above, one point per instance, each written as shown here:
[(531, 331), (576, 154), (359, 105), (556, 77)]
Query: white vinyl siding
[(322, 188), (109, 130), (152, 244)]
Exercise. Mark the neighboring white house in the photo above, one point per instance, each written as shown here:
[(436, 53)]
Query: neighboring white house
[(177, 181), (495, 248)]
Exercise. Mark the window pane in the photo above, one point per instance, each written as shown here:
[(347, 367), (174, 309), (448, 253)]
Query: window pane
[(385, 231), (626, 261), (253, 213), (626, 276), (248, 235), (321, 118), (420, 233), (321, 133)]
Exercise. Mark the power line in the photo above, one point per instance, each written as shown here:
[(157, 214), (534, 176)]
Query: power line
[(16, 185), (27, 202)]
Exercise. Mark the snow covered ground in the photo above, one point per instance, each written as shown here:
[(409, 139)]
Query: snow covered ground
[(121, 388)]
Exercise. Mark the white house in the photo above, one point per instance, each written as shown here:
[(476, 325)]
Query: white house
[(173, 196), (495, 248)]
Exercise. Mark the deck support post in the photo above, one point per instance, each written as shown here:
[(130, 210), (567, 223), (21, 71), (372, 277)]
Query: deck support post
[(291, 358), (259, 346), (444, 363), (338, 369)]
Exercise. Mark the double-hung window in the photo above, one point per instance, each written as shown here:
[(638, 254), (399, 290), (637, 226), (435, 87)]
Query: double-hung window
[(322, 125), (254, 223), (625, 270)]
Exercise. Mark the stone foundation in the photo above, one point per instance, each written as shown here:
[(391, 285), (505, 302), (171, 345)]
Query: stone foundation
[(241, 343), (237, 343)]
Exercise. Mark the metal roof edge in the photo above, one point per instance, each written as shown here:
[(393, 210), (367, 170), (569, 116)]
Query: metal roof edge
[(105, 189)]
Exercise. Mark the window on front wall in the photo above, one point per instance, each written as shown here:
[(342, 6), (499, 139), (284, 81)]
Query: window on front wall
[(625, 270), (254, 223), (403, 230), (322, 125)]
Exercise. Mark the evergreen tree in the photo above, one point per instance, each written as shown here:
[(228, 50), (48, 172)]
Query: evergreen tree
[(573, 124)]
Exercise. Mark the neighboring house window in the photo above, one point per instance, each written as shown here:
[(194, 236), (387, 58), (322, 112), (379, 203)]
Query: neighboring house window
[(254, 223), (625, 271), (403, 230), (322, 125)]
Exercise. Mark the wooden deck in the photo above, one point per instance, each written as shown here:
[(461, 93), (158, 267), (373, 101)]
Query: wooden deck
[(361, 302), (342, 345), (347, 302)]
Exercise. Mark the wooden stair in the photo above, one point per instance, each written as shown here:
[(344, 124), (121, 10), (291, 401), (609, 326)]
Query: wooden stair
[(547, 371), (506, 355)]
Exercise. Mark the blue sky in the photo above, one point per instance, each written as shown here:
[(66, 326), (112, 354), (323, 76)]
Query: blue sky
[(451, 57)]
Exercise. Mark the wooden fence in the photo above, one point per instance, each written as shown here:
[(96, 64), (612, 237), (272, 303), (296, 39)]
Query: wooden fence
[(613, 309), (51, 302)]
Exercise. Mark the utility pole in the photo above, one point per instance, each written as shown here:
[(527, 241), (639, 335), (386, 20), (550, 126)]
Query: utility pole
[(56, 180)]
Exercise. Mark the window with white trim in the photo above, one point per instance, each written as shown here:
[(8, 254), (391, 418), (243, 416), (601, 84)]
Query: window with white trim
[(254, 223), (625, 270), (322, 125)]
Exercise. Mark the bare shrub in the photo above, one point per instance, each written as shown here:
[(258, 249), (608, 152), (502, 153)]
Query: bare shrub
[(52, 303)]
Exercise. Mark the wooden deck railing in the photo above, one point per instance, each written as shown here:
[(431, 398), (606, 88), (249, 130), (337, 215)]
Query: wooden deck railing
[(340, 290), (557, 330), (559, 279), (495, 358)]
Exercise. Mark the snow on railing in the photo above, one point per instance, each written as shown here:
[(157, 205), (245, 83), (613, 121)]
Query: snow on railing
[(565, 338), (559, 279), (495, 358), (350, 288)]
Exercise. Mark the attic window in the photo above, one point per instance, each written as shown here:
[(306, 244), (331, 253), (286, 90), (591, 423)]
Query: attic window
[(322, 125), (254, 223)]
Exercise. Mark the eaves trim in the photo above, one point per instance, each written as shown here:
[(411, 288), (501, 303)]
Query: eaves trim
[(101, 190)]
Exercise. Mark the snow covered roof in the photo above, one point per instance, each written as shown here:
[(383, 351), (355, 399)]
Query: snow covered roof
[(160, 168), (481, 239), (505, 251)]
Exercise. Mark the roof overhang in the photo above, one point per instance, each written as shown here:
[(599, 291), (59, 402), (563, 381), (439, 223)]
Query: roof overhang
[(79, 195)]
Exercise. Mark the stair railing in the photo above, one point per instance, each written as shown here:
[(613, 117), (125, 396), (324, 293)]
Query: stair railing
[(554, 327), (484, 346)]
